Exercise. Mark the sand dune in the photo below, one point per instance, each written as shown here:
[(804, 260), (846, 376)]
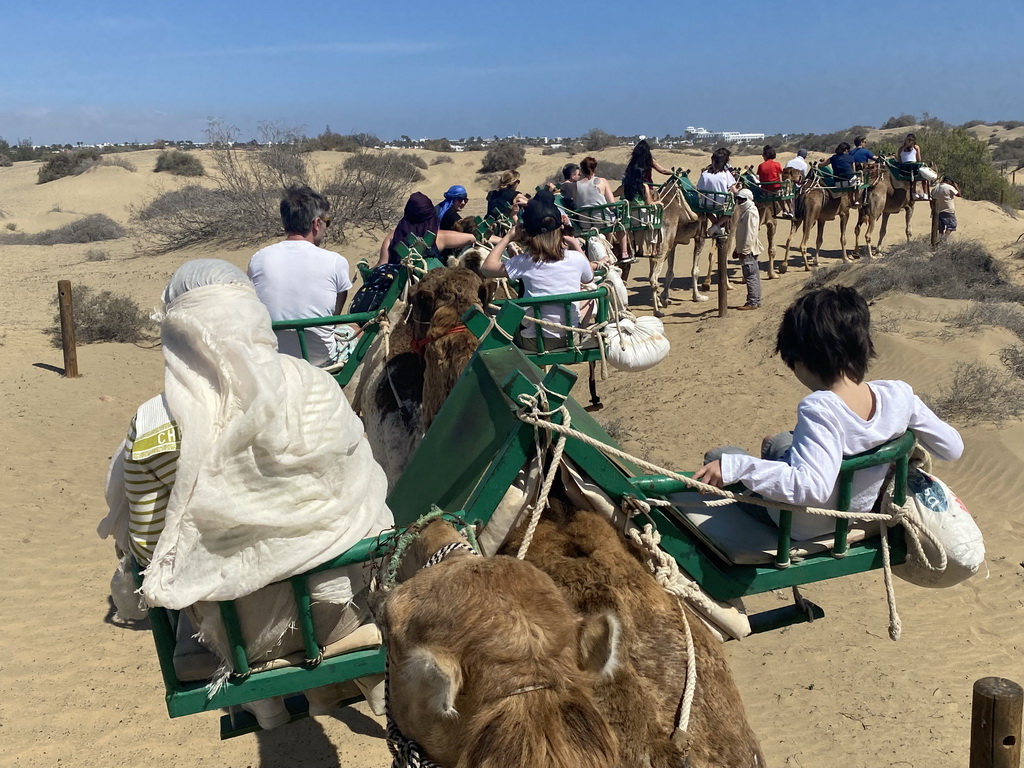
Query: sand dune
[(77, 690)]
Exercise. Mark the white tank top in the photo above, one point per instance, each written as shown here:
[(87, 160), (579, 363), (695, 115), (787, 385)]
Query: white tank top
[(908, 155), (588, 194)]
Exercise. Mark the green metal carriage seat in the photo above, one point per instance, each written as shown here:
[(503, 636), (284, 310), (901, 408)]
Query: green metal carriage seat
[(567, 348), (768, 191), (644, 218), (833, 183), (600, 219), (357, 655)]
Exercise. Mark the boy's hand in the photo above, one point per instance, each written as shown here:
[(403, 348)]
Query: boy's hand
[(710, 474)]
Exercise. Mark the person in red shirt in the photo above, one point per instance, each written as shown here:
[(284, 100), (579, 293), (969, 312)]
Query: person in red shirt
[(769, 173)]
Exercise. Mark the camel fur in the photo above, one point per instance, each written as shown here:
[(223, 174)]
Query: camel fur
[(575, 657), (680, 225), (401, 393), (814, 204), (886, 197)]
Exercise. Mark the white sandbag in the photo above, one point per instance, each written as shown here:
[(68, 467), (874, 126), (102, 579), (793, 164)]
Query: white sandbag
[(939, 510), (636, 344), (600, 250), (927, 173), (614, 282)]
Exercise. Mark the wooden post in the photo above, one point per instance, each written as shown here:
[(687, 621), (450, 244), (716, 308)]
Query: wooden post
[(67, 329), (996, 723), (723, 276), (935, 226)]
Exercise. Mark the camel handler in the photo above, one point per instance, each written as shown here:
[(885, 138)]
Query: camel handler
[(748, 248)]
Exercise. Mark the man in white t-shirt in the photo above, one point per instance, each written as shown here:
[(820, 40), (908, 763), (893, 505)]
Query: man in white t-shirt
[(298, 279), (800, 163), (943, 195)]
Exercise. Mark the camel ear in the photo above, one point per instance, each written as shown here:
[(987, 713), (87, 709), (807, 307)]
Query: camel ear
[(598, 640), (437, 676), (423, 302)]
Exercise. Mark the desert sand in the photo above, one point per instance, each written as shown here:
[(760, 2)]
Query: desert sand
[(76, 689)]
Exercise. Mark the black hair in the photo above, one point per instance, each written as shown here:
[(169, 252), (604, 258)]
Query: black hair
[(843, 147), (768, 153), (642, 154), (858, 141), (300, 206), (829, 331), (568, 170), (720, 160)]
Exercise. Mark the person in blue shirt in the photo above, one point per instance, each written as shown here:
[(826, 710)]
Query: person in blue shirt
[(860, 153), (842, 170)]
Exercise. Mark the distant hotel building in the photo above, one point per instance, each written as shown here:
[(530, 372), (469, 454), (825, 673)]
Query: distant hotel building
[(735, 137)]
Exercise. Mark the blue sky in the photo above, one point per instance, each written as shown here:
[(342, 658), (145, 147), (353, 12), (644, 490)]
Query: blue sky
[(137, 71)]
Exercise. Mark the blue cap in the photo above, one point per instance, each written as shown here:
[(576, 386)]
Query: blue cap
[(456, 192)]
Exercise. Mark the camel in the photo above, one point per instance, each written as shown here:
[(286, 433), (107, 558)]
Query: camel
[(886, 197), (575, 657), (399, 395), (766, 211), (815, 204), (680, 225)]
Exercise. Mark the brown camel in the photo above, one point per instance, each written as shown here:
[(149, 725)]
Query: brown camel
[(886, 197), (575, 657), (680, 225), (400, 395), (815, 204)]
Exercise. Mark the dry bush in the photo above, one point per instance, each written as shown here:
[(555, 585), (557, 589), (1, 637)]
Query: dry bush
[(440, 159), (179, 164), (992, 314), (118, 162), (1013, 359), (95, 254), (959, 269), (90, 229), (560, 149), (5, 161), (370, 190), (503, 156), (67, 164), (979, 393), (103, 316)]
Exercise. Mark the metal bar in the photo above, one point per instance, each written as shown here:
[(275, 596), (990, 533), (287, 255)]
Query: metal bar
[(304, 611), (229, 615)]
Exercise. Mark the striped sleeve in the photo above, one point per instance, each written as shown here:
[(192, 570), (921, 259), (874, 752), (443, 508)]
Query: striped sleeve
[(148, 484)]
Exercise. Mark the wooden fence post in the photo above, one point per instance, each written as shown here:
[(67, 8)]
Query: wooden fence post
[(996, 723), (723, 276), (67, 329)]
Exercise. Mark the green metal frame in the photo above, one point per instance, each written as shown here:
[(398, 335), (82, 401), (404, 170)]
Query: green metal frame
[(829, 180), (787, 190), (568, 354), (702, 201)]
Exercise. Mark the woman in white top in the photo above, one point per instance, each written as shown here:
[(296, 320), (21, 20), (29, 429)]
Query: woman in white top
[(546, 266), (910, 160), (825, 340), (717, 180)]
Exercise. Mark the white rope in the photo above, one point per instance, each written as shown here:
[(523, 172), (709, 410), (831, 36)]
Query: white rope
[(666, 571), (541, 402)]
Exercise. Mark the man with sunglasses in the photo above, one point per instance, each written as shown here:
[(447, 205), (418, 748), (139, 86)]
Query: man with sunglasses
[(297, 279)]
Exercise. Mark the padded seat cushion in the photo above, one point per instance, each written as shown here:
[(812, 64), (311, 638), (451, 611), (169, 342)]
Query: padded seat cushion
[(739, 538)]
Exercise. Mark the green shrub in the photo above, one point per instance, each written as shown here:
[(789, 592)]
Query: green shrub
[(903, 121), (67, 164), (503, 156), (103, 316), (178, 163), (595, 140), (438, 145), (958, 154), (90, 229)]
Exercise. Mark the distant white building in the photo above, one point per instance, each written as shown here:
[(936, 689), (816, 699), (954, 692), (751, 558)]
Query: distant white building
[(735, 137)]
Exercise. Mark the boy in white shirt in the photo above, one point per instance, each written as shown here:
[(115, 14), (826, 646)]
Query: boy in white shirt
[(825, 339)]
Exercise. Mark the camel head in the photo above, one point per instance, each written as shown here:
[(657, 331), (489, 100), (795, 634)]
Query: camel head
[(489, 666), (438, 303)]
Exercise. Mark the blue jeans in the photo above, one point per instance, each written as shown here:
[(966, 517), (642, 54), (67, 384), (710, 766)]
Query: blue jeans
[(775, 448)]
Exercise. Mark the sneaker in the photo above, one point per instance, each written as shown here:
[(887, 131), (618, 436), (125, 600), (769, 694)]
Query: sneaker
[(715, 231), (919, 196), (269, 713), (627, 259), (785, 215)]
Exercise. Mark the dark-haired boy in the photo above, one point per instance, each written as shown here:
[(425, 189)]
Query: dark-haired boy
[(943, 195), (825, 339), (296, 278)]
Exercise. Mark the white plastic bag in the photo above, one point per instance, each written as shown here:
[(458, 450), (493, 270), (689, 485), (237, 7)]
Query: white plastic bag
[(940, 511), (636, 344)]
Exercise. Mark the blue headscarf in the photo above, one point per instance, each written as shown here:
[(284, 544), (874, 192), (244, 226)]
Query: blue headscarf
[(455, 192)]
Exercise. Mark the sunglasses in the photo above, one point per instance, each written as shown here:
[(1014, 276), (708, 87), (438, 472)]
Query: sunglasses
[(326, 220)]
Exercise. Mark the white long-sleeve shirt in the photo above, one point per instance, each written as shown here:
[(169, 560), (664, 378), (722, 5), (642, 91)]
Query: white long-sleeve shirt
[(826, 430)]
